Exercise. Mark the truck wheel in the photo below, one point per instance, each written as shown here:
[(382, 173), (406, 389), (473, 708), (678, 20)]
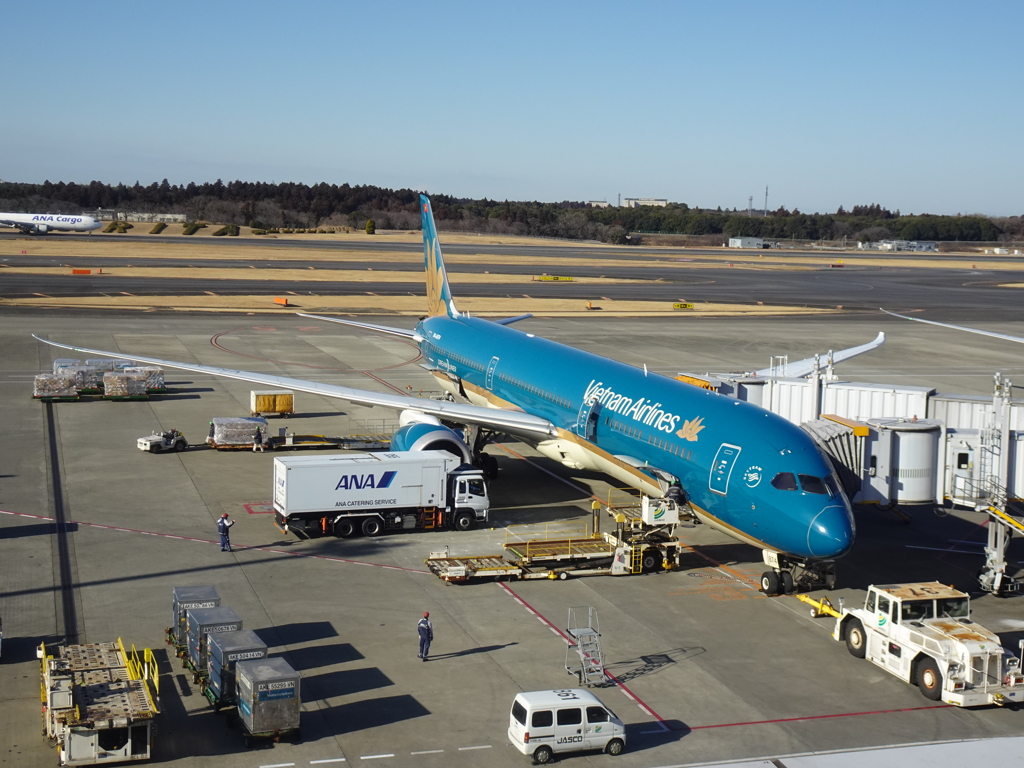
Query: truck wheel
[(542, 755), (463, 521), (649, 560), (770, 583), (855, 639), (346, 529), (373, 526), (929, 679), (614, 747)]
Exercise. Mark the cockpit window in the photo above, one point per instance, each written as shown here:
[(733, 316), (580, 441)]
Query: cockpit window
[(784, 481), (812, 484), (834, 489)]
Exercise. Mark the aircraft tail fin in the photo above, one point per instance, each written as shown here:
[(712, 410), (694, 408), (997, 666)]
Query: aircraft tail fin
[(439, 295)]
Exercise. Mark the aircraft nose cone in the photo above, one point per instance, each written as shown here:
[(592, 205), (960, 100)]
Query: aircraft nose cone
[(830, 533)]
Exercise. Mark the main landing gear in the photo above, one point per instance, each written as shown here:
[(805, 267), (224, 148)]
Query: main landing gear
[(789, 574)]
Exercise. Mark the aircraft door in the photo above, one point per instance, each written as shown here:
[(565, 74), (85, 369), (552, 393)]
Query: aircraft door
[(489, 381), (721, 468), (586, 420), (962, 487)]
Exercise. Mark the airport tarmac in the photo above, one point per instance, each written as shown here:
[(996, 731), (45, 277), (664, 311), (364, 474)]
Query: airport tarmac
[(709, 669)]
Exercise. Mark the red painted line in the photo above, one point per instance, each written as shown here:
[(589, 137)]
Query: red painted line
[(568, 640), (821, 717), (238, 548)]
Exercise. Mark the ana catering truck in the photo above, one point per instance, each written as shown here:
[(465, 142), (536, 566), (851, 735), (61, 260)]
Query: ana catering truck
[(345, 494)]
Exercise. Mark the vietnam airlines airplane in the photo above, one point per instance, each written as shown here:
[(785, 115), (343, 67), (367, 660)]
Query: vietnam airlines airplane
[(743, 470), (41, 223)]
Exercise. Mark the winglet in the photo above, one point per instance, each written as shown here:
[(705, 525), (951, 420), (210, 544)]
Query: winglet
[(439, 295)]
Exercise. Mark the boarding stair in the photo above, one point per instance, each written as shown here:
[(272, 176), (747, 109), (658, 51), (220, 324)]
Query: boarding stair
[(584, 629)]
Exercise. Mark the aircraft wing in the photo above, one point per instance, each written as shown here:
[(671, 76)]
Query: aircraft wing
[(804, 367), (993, 334), (402, 332), (514, 422), (17, 225)]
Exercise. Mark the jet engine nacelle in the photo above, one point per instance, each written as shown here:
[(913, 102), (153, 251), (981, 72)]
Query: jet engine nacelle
[(42, 229), (421, 432)]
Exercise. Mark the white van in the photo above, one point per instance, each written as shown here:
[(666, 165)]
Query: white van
[(567, 720)]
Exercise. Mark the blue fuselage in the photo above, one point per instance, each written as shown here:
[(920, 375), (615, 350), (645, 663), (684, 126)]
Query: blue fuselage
[(745, 470)]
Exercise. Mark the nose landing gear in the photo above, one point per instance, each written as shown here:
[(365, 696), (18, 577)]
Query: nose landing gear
[(788, 575)]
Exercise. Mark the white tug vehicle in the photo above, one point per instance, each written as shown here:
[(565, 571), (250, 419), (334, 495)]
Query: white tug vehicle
[(923, 634)]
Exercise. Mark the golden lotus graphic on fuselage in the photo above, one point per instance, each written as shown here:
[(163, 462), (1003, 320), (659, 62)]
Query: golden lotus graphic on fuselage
[(690, 429), (435, 282)]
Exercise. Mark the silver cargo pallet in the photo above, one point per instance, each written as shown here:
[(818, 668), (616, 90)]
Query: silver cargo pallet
[(99, 702)]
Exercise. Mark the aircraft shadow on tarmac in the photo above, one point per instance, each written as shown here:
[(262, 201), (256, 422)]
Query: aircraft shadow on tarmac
[(318, 656), (343, 682), (297, 632), (32, 529)]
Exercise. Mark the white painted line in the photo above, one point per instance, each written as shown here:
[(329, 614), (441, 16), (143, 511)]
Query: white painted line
[(329, 760), (428, 752), (278, 765), (485, 746), (374, 757)]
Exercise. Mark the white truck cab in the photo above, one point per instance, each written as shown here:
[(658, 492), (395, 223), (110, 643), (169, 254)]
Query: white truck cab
[(567, 720), (923, 634)]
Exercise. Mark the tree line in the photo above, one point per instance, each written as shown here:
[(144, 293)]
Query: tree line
[(263, 205)]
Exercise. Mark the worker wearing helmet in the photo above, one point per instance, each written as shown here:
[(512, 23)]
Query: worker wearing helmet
[(223, 528)]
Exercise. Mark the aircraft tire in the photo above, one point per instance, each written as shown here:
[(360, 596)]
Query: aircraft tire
[(770, 583), (786, 582)]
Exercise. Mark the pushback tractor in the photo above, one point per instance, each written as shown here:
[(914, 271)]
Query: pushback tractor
[(923, 633)]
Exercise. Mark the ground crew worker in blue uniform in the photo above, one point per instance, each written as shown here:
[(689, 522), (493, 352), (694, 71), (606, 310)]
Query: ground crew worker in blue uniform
[(426, 630), (223, 528)]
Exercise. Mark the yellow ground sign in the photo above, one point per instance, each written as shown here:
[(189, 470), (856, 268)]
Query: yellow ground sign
[(554, 278), (682, 305)]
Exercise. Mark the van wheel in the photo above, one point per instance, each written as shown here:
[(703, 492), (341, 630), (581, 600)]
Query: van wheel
[(855, 638), (372, 526), (346, 529), (614, 747), (929, 679), (542, 755), (463, 521)]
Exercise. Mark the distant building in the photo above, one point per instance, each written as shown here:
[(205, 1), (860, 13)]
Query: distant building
[(598, 203), (746, 242), (898, 245), (636, 202)]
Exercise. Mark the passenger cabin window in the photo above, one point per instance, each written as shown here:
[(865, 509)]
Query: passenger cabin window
[(784, 481), (812, 484), (597, 715), (916, 610), (572, 716), (542, 719), (519, 712)]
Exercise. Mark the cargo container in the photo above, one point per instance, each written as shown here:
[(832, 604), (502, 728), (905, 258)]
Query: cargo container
[(182, 599), (54, 386), (224, 651), (118, 385), (345, 494), (201, 623), (233, 432), (268, 700), (278, 402)]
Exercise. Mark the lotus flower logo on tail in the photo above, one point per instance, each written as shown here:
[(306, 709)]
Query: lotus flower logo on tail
[(439, 296)]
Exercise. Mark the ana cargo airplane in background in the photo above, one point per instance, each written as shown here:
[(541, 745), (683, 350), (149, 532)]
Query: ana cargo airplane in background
[(41, 223), (743, 470)]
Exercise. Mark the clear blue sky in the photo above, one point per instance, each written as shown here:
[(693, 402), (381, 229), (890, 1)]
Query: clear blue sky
[(912, 105)]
